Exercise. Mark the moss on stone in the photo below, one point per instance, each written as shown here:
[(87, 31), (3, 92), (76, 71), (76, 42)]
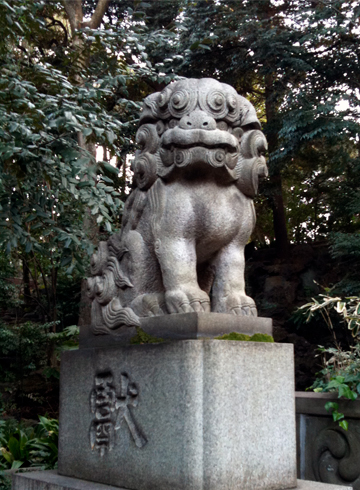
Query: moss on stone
[(142, 337), (261, 337), (234, 336), (257, 337)]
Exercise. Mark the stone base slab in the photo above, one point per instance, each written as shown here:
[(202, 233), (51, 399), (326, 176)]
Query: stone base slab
[(181, 326), (51, 480)]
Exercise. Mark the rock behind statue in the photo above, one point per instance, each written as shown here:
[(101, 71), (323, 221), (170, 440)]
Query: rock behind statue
[(190, 215)]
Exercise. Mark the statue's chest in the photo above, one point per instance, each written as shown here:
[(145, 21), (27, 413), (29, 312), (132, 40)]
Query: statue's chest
[(220, 214)]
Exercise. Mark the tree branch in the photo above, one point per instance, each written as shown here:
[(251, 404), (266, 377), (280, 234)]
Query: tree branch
[(329, 4), (55, 22), (98, 15)]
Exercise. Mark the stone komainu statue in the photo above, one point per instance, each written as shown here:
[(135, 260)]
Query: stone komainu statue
[(186, 223)]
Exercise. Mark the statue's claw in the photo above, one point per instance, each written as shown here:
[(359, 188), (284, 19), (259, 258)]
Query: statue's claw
[(156, 311), (246, 310), (238, 304), (181, 301), (149, 305), (196, 306)]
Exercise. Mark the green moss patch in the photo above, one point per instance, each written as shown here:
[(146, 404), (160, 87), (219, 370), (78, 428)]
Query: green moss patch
[(234, 336), (261, 337), (257, 337), (142, 337)]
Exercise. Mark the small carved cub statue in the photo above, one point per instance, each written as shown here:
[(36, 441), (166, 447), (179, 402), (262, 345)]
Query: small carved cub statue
[(190, 215)]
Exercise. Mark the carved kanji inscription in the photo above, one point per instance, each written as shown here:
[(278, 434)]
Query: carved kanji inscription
[(111, 408)]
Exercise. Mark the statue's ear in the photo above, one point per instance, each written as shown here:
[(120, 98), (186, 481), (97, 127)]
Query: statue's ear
[(149, 111), (248, 117), (251, 165)]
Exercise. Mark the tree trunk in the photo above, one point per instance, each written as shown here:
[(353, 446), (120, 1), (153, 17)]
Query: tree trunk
[(26, 282), (279, 217), (276, 193)]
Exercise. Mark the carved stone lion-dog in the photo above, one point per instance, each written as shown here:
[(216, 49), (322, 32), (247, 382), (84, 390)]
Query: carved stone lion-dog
[(190, 215)]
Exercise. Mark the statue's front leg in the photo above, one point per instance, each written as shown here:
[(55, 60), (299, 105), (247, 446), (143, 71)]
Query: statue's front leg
[(228, 292), (177, 259)]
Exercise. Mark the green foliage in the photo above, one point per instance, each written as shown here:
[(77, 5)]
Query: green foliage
[(257, 337), (61, 96), (26, 347), (341, 371), (341, 375), (337, 416), (29, 446), (23, 349), (142, 337), (348, 308), (8, 291)]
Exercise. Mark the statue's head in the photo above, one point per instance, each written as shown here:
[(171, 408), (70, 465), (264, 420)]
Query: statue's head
[(190, 122)]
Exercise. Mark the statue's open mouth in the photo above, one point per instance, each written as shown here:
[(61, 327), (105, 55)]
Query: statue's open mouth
[(187, 139)]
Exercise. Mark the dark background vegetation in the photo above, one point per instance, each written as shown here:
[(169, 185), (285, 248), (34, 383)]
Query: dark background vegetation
[(73, 74)]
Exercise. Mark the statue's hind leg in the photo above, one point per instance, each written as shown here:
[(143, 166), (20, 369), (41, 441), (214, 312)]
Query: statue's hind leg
[(145, 296)]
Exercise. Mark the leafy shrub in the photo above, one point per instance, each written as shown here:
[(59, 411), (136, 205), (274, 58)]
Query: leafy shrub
[(29, 353), (348, 308), (24, 446), (22, 349), (29, 446), (341, 368)]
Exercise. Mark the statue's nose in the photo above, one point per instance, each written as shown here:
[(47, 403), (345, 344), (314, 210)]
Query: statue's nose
[(197, 120)]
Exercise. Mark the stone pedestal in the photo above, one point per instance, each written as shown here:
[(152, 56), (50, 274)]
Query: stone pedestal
[(195, 415), (180, 415)]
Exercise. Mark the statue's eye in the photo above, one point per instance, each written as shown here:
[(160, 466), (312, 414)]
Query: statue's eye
[(179, 100), (216, 101)]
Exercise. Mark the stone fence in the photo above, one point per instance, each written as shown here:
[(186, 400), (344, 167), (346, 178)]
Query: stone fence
[(325, 452)]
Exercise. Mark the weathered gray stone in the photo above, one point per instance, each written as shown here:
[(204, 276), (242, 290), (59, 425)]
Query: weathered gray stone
[(194, 415), (51, 480), (181, 327), (185, 225)]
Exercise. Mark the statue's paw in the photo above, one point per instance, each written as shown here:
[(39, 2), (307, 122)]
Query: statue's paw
[(243, 305), (187, 301), (152, 304)]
